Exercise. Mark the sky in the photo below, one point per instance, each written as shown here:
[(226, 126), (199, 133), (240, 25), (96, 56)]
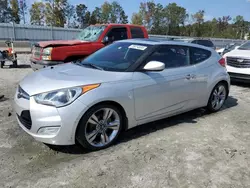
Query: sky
[(213, 8)]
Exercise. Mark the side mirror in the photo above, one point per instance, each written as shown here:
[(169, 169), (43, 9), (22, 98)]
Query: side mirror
[(105, 40), (154, 66)]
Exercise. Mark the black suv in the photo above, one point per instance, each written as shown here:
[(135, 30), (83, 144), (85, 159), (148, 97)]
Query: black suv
[(203, 42)]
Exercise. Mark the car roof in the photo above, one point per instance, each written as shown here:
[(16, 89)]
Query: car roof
[(185, 40), (115, 24), (163, 42), (190, 39)]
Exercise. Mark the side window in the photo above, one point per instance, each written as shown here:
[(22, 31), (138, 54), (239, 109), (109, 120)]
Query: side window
[(194, 42), (117, 34), (205, 43), (172, 56), (200, 42), (198, 55), (137, 32)]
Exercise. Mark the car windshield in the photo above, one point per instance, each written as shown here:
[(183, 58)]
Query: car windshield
[(245, 46), (230, 46), (91, 33), (118, 56)]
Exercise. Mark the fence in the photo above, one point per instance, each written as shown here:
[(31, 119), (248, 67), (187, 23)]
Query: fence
[(33, 33)]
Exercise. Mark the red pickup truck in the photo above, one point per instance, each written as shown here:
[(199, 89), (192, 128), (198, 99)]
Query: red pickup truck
[(89, 40)]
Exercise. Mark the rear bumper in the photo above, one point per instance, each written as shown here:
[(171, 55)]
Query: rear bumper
[(39, 64)]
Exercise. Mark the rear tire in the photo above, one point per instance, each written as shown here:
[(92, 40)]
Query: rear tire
[(217, 97), (15, 63), (99, 127)]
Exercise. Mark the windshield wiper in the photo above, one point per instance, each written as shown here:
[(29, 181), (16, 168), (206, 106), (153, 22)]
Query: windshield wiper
[(77, 62), (92, 65)]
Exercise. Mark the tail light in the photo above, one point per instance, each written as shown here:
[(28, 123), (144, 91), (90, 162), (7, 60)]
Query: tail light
[(222, 62)]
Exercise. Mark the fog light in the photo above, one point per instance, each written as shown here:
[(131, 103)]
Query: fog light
[(48, 131)]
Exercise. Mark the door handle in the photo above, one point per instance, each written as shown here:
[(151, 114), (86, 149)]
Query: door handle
[(188, 77)]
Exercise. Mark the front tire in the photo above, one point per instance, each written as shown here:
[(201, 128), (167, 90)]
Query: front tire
[(217, 97), (100, 127)]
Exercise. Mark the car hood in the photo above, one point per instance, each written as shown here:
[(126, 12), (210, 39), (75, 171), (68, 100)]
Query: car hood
[(66, 76), (53, 43), (238, 53), (220, 50)]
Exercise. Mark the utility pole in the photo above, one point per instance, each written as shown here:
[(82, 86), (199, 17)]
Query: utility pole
[(53, 11), (53, 19)]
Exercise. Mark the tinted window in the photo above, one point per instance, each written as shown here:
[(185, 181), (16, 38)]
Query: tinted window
[(194, 41), (172, 56), (137, 32), (198, 55), (206, 43), (117, 56), (117, 34)]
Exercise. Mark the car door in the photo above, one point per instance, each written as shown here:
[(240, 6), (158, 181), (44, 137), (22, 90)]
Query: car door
[(168, 91), (203, 62)]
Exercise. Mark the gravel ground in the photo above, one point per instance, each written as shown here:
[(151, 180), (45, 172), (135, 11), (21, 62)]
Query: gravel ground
[(195, 149)]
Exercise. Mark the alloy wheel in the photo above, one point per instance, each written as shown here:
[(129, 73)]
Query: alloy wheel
[(218, 97), (102, 127)]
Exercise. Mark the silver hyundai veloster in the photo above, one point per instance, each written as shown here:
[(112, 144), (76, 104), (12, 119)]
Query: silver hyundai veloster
[(123, 85)]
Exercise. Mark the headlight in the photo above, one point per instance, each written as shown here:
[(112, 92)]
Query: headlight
[(63, 97), (46, 54)]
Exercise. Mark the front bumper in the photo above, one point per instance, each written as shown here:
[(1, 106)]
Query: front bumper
[(41, 116), (240, 77), (39, 64), (239, 74)]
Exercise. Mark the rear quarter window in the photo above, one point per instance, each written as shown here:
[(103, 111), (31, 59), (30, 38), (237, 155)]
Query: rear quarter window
[(136, 32), (198, 55), (206, 43)]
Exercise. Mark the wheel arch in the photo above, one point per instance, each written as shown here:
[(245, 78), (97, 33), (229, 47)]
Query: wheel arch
[(224, 81), (107, 102), (121, 109), (226, 84)]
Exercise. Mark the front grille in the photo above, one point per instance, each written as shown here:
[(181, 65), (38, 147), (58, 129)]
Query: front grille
[(36, 52), (25, 119), (238, 62)]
